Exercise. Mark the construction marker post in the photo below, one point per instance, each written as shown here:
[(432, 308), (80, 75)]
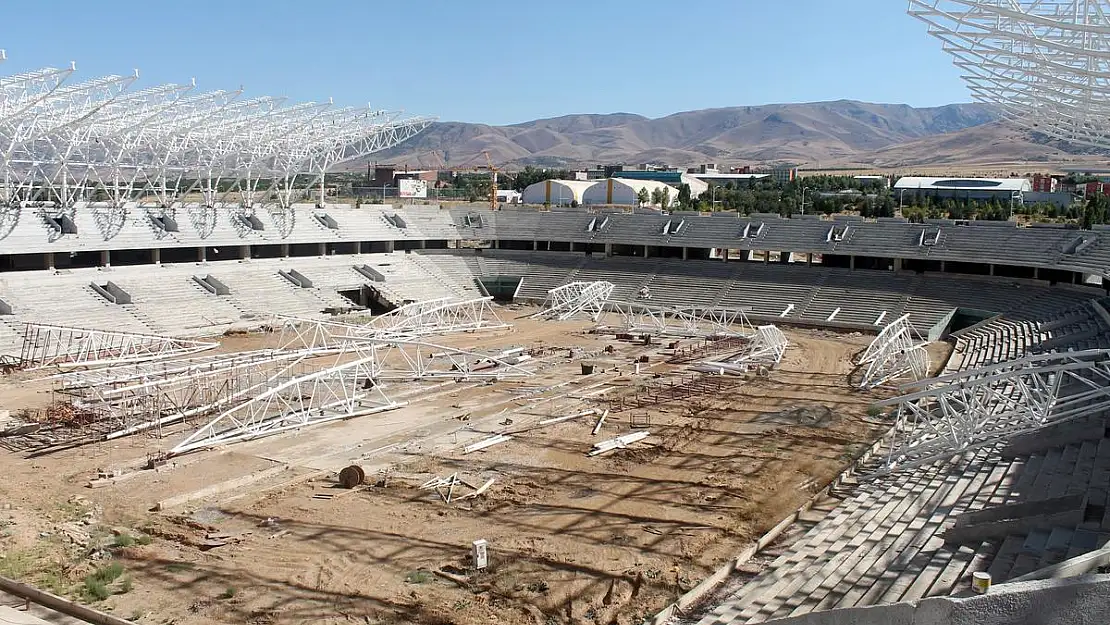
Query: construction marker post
[(479, 550)]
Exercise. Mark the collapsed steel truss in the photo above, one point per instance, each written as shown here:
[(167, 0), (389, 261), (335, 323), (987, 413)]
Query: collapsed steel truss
[(426, 318), (350, 388), (576, 298), (1043, 63), (957, 412), (46, 345), (896, 353), (120, 384), (636, 318), (442, 316), (65, 143), (764, 349)]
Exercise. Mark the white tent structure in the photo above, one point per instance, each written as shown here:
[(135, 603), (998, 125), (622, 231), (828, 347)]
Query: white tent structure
[(622, 191), (557, 192)]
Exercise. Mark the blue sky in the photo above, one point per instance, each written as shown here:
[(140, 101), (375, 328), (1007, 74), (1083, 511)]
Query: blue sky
[(499, 61)]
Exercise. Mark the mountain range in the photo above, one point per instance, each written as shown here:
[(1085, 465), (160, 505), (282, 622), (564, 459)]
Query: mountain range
[(843, 133)]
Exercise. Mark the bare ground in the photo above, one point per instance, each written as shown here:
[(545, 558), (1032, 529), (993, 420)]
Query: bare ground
[(606, 539)]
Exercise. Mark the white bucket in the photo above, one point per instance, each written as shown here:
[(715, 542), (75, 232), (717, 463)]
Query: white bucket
[(981, 582)]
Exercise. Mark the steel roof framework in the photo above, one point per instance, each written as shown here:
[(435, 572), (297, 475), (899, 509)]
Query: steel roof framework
[(64, 143), (944, 416), (1045, 64)]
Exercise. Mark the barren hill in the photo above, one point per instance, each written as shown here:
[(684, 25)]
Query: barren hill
[(812, 134)]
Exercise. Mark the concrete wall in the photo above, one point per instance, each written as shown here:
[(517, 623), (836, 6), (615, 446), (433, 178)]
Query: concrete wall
[(1076, 601)]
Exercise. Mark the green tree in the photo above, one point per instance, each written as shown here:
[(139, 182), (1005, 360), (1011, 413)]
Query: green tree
[(643, 197), (684, 197), (664, 197)]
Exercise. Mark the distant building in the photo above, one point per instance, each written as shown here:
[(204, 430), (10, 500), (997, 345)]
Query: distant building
[(672, 178), (388, 175), (556, 192), (784, 174), (1045, 184), (1005, 190), (508, 196), (624, 191)]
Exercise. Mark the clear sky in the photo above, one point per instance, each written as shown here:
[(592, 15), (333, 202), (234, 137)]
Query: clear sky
[(499, 61)]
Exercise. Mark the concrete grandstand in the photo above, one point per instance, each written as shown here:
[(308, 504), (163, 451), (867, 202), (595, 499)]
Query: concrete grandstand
[(908, 483)]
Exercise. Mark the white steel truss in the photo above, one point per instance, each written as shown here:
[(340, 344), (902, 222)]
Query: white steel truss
[(348, 389), (576, 298), (47, 345), (957, 412), (764, 349), (896, 353), (99, 141), (1044, 63), (443, 316), (680, 322), (419, 319)]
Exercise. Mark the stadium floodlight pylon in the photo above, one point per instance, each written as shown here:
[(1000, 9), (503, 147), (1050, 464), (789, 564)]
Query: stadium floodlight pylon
[(896, 353), (637, 318), (576, 298), (46, 345), (351, 388), (765, 349), (962, 411), (1044, 64)]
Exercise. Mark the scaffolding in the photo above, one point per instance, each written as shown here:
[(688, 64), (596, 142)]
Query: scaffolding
[(897, 353), (576, 298), (962, 411)]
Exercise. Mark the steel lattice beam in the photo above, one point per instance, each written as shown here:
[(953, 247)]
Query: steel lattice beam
[(1045, 64), (636, 318), (348, 389), (764, 349), (896, 353), (576, 298), (47, 345), (62, 142), (957, 412)]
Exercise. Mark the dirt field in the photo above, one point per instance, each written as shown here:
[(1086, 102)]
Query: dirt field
[(572, 538)]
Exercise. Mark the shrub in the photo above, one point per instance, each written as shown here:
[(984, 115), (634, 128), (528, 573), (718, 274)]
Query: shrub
[(122, 541), (228, 593), (95, 590)]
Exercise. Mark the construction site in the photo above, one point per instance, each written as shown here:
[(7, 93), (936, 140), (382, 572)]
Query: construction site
[(586, 461)]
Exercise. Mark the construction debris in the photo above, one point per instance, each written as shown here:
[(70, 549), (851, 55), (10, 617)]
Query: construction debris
[(352, 476), (620, 442), (489, 442), (568, 417), (445, 487), (600, 422)]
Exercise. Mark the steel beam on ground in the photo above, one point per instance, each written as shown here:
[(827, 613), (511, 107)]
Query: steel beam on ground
[(47, 345), (898, 352), (765, 348), (576, 298), (353, 386), (638, 318)]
